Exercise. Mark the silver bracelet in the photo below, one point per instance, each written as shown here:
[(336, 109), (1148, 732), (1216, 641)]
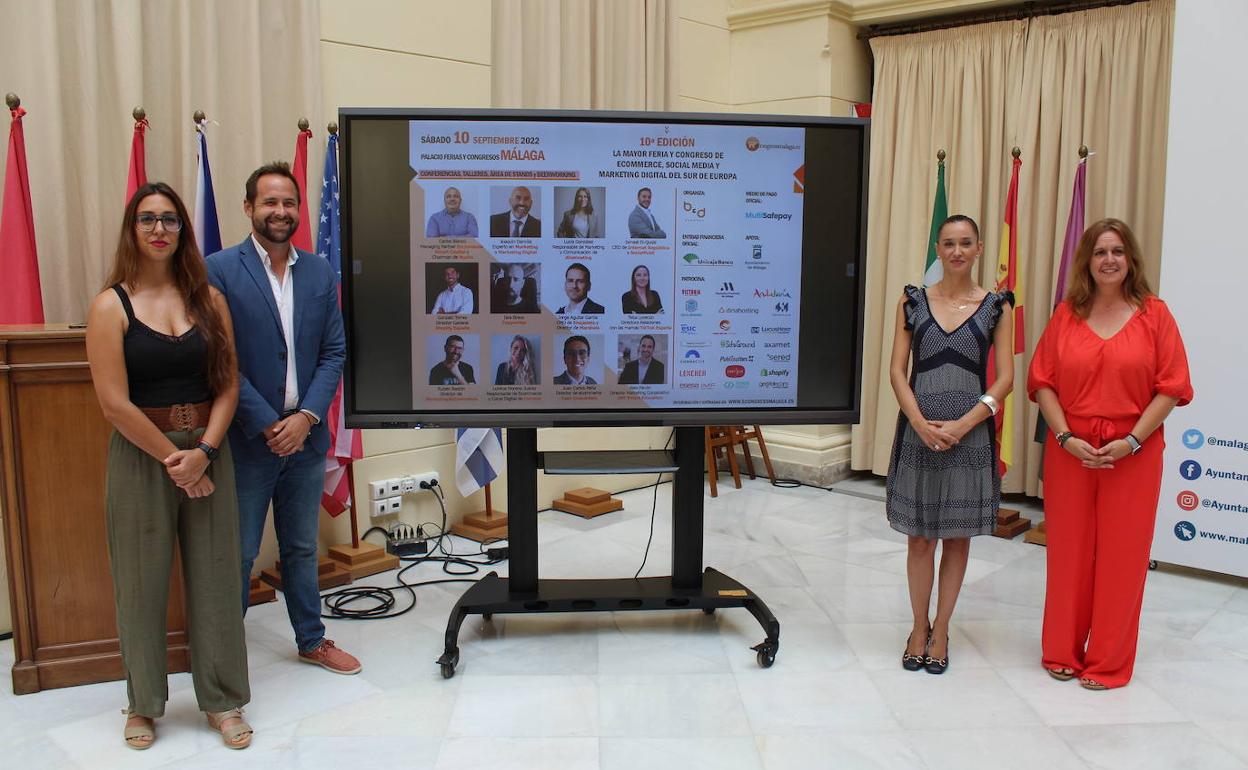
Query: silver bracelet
[(990, 402)]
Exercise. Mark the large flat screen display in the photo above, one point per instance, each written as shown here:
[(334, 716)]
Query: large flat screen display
[(590, 268)]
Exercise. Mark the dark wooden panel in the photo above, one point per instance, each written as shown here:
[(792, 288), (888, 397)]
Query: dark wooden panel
[(53, 447)]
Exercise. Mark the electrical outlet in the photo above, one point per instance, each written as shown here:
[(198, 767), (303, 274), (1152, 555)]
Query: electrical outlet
[(393, 504), (427, 478), (377, 489), (409, 484), (378, 508), (394, 487)]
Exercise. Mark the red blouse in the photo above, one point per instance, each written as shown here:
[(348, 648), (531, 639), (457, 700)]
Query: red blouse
[(1114, 378)]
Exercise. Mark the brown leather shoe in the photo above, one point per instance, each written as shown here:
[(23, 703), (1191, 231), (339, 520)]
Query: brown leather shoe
[(327, 655)]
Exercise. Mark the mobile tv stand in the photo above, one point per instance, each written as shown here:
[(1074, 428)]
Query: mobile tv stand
[(689, 587)]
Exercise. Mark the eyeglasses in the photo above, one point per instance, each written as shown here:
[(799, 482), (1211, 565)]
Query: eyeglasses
[(147, 222)]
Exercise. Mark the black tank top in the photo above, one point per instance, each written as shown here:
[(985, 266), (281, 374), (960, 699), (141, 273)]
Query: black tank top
[(162, 369)]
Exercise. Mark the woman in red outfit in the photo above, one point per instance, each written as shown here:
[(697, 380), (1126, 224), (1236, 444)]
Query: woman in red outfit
[(1109, 368)]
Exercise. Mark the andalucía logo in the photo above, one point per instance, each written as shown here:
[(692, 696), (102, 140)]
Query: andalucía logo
[(691, 257), (771, 293)]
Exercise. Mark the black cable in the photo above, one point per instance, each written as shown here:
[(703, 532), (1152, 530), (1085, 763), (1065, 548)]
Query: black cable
[(7, 635), (383, 600), (654, 504)]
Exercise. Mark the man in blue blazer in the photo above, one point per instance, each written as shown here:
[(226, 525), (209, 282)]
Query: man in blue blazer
[(291, 348)]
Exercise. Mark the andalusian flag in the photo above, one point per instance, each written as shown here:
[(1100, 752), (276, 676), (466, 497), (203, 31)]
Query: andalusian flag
[(1009, 278), (933, 271)]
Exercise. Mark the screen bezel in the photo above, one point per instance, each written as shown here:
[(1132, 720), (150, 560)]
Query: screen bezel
[(608, 417)]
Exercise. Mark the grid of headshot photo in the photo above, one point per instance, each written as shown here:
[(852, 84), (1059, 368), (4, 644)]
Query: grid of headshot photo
[(546, 286)]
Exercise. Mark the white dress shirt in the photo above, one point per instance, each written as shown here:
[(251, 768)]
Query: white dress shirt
[(456, 300), (574, 308), (284, 294)]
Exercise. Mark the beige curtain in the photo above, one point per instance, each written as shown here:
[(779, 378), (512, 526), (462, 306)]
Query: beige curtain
[(81, 66), (585, 54), (1046, 85)]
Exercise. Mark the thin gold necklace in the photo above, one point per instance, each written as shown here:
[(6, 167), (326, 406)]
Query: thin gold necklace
[(953, 303)]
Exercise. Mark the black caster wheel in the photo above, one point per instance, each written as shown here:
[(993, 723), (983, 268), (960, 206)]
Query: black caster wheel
[(447, 664), (1152, 564), (766, 655), (708, 610), (487, 616)]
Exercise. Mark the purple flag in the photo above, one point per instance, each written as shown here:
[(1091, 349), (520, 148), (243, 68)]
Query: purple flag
[(1074, 229)]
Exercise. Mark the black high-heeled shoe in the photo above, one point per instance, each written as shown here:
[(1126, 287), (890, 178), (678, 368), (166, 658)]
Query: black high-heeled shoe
[(937, 665), (915, 662)]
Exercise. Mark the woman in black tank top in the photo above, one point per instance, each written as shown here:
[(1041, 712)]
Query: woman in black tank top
[(161, 348)]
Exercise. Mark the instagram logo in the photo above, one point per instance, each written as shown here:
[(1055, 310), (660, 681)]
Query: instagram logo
[(1188, 500)]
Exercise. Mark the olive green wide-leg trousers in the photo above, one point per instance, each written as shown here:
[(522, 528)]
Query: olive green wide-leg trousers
[(147, 513)]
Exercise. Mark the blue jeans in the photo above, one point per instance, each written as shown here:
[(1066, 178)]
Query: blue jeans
[(293, 484)]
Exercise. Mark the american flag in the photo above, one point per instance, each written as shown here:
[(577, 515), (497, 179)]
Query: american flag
[(345, 444)]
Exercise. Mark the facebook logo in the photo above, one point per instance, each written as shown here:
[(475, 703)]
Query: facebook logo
[(1189, 469)]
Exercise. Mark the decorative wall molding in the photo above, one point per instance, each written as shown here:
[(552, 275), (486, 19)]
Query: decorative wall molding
[(765, 15), (858, 12)]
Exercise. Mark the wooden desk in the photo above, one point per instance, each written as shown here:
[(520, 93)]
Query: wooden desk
[(53, 451)]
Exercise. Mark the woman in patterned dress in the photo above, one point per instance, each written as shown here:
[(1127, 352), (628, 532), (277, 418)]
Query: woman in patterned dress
[(942, 478)]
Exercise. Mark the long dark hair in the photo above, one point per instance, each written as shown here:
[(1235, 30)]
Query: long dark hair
[(190, 276), (589, 201), (648, 299), (1081, 288)]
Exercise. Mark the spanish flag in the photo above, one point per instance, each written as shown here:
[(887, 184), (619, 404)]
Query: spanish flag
[(1009, 278)]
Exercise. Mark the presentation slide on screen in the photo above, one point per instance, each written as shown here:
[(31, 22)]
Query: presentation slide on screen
[(592, 265)]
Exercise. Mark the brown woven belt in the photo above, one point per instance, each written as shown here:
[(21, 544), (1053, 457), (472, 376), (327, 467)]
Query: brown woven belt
[(179, 416)]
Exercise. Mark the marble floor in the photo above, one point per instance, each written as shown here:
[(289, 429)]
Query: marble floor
[(682, 689)]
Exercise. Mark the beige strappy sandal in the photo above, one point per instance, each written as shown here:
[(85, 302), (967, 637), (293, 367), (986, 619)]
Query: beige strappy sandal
[(237, 735), (140, 736)]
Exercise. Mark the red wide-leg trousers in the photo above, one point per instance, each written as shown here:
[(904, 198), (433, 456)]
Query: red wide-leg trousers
[(1100, 529)]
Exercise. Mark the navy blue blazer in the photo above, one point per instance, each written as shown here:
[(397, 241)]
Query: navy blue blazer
[(320, 346)]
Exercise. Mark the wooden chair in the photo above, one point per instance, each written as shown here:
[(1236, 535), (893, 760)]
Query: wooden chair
[(725, 438), (719, 438), (742, 436)]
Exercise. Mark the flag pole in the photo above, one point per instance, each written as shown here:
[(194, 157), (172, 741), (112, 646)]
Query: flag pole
[(355, 527)]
